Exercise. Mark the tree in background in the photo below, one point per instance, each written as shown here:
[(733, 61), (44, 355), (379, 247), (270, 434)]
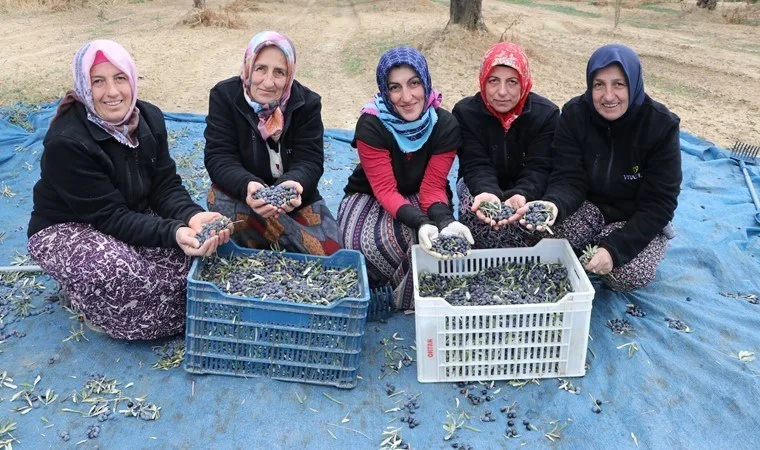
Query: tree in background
[(467, 13), (709, 4), (199, 3)]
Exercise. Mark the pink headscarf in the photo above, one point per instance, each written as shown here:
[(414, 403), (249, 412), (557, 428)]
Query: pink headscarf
[(271, 116), (83, 61)]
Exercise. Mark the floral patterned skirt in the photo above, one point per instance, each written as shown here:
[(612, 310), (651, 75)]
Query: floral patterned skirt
[(586, 227), (310, 230), (129, 292)]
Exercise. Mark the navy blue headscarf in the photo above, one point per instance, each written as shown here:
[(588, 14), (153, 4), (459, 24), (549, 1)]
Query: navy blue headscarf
[(410, 135), (631, 65)]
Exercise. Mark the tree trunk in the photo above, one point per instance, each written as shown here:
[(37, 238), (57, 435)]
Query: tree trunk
[(199, 3), (467, 13), (709, 4)]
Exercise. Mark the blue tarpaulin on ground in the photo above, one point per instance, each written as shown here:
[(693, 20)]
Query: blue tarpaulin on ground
[(678, 390)]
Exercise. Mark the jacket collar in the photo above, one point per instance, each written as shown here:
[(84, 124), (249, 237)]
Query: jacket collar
[(480, 105), (296, 100), (617, 124)]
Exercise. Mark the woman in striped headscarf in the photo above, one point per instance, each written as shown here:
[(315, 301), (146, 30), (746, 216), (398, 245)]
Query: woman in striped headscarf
[(505, 155), (264, 129), (399, 193), (112, 222)]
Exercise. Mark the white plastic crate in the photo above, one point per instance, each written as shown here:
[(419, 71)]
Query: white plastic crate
[(502, 342)]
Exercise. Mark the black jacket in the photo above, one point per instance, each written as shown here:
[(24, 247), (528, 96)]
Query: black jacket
[(631, 170), (408, 168), (236, 154), (88, 176), (505, 164)]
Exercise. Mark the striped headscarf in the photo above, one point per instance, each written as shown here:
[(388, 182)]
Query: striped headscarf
[(271, 116), (509, 55), (83, 61), (410, 136)]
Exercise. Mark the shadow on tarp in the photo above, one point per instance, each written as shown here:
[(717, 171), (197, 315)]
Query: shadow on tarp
[(679, 390)]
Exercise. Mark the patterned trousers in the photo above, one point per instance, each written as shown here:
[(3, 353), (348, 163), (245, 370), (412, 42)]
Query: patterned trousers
[(484, 235), (310, 230), (129, 292), (586, 227), (385, 242)]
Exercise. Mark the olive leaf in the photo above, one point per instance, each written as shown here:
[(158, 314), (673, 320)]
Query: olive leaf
[(744, 356)]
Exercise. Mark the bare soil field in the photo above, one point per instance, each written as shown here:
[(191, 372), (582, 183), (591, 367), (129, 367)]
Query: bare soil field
[(702, 67)]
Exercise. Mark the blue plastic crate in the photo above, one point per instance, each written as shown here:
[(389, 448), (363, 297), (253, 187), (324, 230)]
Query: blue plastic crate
[(250, 337), (380, 303)]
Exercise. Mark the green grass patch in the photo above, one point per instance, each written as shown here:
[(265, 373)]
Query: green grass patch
[(353, 65), (674, 87), (655, 7), (643, 23), (569, 10), (563, 9), (381, 45), (520, 2)]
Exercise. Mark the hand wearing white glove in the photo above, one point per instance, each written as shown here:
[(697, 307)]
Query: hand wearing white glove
[(459, 229), (452, 229), (426, 234)]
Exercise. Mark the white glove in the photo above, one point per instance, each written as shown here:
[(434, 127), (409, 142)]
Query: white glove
[(426, 234), (457, 228)]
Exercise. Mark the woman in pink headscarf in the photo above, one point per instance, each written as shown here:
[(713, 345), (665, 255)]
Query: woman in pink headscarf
[(112, 222), (505, 156), (264, 130)]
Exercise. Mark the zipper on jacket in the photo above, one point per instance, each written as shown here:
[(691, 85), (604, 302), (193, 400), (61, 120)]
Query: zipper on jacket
[(607, 181), (139, 175), (595, 167), (130, 182)]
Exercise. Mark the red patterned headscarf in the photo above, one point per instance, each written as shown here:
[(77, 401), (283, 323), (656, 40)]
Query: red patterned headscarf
[(510, 55)]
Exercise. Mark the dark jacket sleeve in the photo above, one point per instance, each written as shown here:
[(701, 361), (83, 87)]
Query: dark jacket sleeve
[(222, 154), (168, 198), (538, 162), (567, 183), (478, 170), (307, 160), (657, 201), (78, 178)]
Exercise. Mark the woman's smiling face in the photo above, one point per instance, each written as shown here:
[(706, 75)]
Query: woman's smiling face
[(609, 91), (111, 92), (406, 92)]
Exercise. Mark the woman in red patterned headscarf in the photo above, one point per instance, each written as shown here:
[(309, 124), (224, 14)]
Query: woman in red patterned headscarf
[(505, 154)]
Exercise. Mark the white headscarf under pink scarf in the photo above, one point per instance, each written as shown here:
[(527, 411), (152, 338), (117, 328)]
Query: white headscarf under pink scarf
[(83, 61)]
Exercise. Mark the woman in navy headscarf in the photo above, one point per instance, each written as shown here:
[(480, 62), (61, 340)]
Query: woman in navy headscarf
[(399, 192), (617, 171)]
